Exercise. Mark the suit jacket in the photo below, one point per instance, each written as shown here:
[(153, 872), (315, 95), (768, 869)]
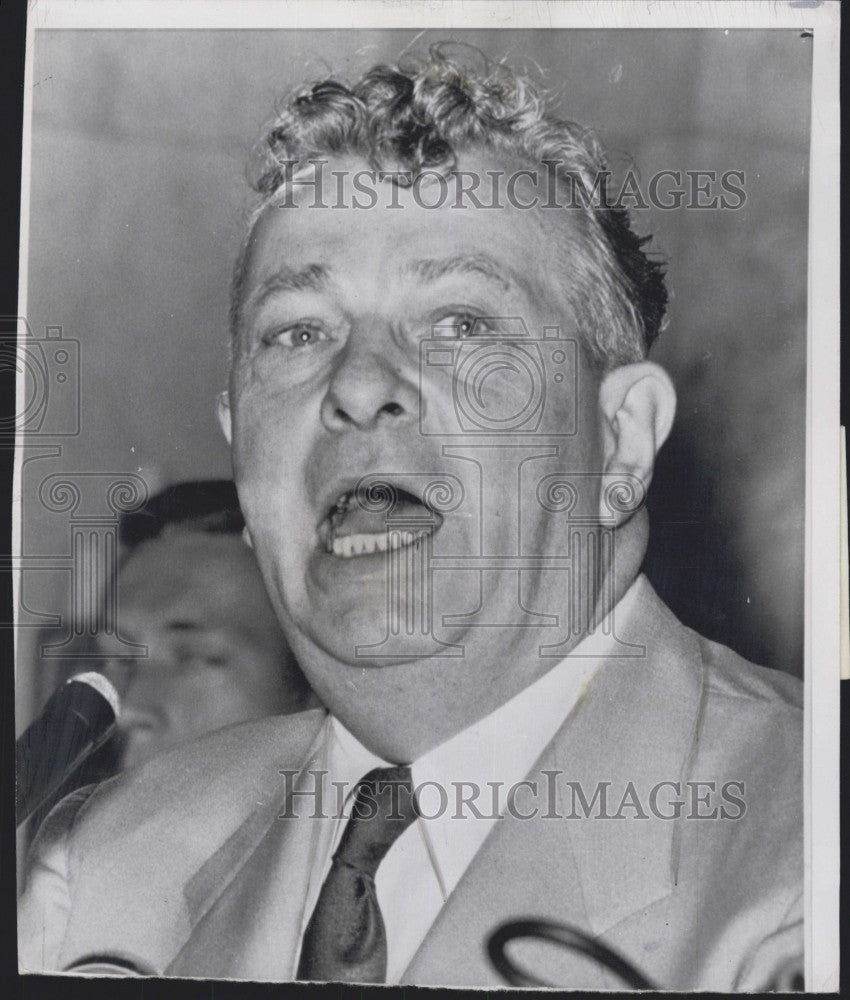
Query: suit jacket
[(184, 867)]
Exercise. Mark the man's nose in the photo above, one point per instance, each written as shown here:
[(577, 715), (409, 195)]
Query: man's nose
[(140, 686), (369, 388)]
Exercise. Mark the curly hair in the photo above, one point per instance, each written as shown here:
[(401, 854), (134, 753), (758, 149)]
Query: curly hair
[(417, 116)]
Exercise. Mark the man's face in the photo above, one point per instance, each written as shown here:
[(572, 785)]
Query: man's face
[(215, 651), (331, 384)]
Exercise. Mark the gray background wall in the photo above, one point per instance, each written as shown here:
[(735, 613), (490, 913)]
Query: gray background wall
[(139, 143)]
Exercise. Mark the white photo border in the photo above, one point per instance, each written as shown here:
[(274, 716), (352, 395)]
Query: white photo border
[(823, 514)]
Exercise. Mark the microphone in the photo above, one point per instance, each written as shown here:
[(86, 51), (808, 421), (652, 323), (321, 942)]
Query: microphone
[(77, 719)]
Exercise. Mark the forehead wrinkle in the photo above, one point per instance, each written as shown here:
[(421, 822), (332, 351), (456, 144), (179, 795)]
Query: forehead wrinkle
[(313, 277), (433, 269)]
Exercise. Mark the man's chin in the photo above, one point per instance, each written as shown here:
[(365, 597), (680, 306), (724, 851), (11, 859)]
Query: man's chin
[(357, 636), (354, 628), (359, 612), (348, 612)]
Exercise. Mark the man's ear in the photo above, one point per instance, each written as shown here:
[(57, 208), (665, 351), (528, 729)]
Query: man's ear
[(637, 404), (223, 413)]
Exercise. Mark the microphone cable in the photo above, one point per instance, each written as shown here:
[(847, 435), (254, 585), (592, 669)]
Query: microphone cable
[(563, 934)]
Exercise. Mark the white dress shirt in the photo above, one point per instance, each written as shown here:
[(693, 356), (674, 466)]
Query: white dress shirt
[(426, 862)]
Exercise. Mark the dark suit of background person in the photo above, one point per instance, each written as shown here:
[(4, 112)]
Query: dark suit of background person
[(192, 870)]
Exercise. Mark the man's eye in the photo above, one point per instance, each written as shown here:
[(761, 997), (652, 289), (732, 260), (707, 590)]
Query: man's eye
[(463, 325), (297, 335)]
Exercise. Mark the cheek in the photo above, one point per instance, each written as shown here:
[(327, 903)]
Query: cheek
[(484, 390), (267, 431)]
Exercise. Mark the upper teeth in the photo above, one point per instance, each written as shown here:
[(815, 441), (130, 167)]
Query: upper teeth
[(357, 545)]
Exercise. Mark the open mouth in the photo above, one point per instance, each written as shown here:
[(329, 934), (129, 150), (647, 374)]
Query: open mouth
[(356, 526)]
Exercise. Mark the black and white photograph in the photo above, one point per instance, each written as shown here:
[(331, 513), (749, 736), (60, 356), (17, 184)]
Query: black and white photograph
[(426, 513)]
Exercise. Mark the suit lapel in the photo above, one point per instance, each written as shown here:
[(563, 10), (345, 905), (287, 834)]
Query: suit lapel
[(245, 903), (523, 869), (639, 728), (638, 723)]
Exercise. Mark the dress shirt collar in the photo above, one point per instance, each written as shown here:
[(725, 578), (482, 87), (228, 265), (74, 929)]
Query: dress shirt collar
[(498, 750)]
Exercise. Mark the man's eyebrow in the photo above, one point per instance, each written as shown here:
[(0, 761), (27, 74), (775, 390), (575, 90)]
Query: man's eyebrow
[(313, 277), (479, 263)]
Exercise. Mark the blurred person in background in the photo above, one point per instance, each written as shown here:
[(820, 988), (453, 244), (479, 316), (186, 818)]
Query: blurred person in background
[(189, 589)]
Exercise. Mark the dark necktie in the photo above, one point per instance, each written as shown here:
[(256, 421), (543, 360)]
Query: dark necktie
[(345, 940)]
